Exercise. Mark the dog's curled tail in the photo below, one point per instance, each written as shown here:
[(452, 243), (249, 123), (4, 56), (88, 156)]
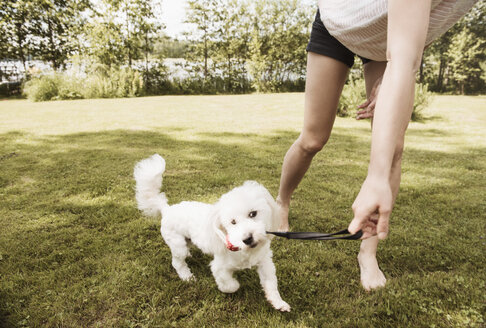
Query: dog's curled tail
[(148, 178)]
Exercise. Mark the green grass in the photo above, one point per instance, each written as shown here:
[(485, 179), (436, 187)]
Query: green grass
[(75, 251)]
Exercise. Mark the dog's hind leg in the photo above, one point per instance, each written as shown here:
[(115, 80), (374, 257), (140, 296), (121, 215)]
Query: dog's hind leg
[(224, 276), (178, 247)]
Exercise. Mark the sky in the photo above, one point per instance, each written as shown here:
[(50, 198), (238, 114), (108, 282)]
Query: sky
[(173, 14)]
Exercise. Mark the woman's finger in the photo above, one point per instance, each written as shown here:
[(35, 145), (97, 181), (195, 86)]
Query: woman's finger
[(372, 104), (365, 104), (365, 114), (382, 227)]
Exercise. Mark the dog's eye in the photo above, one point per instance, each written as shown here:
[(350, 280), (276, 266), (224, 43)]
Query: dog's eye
[(252, 214), (233, 221)]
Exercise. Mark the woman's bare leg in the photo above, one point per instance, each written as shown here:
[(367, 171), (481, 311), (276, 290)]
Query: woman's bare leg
[(371, 275), (324, 83)]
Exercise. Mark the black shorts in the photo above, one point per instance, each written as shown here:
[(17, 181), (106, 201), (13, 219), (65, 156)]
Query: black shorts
[(323, 43)]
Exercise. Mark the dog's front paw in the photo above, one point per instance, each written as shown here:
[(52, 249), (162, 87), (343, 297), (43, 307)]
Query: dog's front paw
[(281, 306), (229, 286), (186, 275)]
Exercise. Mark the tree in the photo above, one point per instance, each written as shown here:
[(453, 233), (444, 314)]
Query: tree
[(104, 42), (122, 31), (139, 28), (16, 29), (231, 44), (464, 62), (437, 71), (278, 40), (200, 14), (167, 47), (57, 23)]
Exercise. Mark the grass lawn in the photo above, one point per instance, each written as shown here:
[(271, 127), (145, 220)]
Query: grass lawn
[(75, 251)]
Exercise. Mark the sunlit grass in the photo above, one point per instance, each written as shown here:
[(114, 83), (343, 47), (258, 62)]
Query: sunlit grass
[(75, 251)]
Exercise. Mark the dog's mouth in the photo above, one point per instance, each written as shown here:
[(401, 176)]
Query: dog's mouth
[(253, 245)]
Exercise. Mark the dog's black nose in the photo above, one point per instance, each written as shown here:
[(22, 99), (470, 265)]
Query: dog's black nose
[(249, 240)]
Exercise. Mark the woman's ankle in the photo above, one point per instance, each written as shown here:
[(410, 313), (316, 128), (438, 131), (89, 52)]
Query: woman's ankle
[(281, 203)]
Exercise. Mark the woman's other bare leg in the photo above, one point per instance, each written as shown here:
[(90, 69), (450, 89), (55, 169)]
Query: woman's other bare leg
[(324, 83)]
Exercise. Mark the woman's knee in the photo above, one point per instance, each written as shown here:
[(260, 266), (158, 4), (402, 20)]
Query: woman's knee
[(312, 145)]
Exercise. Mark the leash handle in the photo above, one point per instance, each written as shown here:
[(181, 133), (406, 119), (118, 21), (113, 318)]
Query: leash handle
[(318, 235)]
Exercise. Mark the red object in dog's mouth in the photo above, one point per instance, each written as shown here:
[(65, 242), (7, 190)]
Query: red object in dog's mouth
[(230, 245)]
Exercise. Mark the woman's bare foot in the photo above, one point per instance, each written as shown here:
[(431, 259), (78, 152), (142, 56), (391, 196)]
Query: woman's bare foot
[(284, 216), (371, 275)]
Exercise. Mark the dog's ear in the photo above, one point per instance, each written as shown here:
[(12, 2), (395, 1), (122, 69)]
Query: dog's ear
[(215, 218)]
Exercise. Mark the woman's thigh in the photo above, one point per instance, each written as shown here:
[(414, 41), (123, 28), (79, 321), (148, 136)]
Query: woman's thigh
[(373, 70), (324, 83)]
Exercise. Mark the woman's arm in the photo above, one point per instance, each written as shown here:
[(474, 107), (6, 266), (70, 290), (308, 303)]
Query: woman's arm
[(407, 29)]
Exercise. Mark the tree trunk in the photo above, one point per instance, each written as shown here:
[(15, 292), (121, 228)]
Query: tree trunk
[(20, 41), (52, 47), (146, 51), (229, 73), (440, 78), (129, 46), (421, 75), (205, 58)]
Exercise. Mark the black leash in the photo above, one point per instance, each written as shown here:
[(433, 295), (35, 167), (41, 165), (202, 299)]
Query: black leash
[(318, 235)]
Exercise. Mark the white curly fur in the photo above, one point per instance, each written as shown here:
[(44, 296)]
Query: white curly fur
[(212, 227)]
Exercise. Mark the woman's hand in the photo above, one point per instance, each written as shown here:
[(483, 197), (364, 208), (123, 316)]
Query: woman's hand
[(368, 107), (372, 208)]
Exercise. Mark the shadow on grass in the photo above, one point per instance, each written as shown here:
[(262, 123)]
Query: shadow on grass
[(71, 230)]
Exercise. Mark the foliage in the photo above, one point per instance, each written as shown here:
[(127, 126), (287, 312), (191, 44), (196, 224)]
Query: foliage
[(167, 47), (258, 45), (219, 48), (58, 23), (202, 40), (53, 86), (236, 46), (354, 93), (463, 53), (113, 82), (105, 44), (123, 31), (9, 89), (455, 62), (280, 32), (15, 29), (156, 81), (422, 99), (43, 29), (101, 82)]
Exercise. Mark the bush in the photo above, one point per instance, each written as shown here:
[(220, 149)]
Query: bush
[(41, 88), (8, 89), (422, 98), (156, 81), (354, 93), (52, 87), (104, 82), (101, 82)]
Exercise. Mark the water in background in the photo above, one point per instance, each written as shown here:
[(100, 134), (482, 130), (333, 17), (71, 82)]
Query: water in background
[(13, 70)]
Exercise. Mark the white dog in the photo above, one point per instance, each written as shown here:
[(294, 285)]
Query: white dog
[(233, 230)]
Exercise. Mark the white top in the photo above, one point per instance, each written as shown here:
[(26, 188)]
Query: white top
[(361, 25)]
